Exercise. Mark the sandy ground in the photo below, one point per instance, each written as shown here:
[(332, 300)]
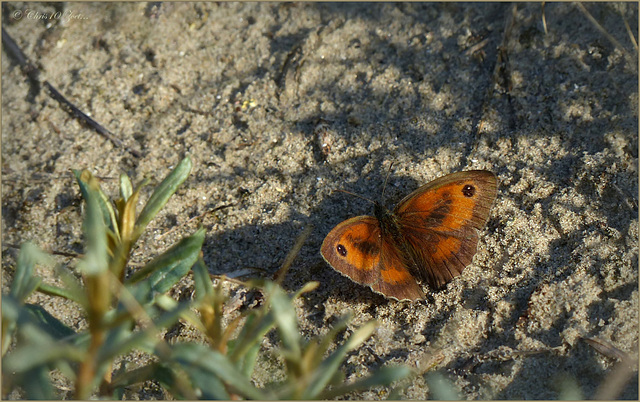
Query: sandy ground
[(240, 87)]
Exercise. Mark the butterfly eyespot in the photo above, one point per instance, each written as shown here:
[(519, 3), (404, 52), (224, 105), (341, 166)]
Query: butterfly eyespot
[(468, 190), (342, 250)]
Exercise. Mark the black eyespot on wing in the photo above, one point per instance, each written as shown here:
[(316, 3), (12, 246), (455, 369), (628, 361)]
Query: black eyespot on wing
[(341, 250), (468, 190)]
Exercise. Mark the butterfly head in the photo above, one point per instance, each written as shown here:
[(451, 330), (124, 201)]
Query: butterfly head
[(386, 219)]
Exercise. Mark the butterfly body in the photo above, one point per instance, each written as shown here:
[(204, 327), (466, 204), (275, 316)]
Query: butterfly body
[(430, 236)]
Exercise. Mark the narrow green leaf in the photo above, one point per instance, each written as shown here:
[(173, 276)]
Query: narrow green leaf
[(118, 339), (125, 187), (38, 354), (173, 264), (163, 278), (200, 357), (126, 378), (165, 302), (24, 281), (255, 328), (326, 340), (10, 314), (250, 358), (62, 292), (87, 183), (201, 280), (287, 321), (171, 377), (161, 195), (210, 386), (141, 292), (382, 377), (39, 384), (123, 340), (360, 335), (55, 291), (54, 327), (96, 258), (15, 312), (74, 288), (327, 369)]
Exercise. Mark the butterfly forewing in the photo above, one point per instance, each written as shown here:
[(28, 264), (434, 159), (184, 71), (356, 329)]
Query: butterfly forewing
[(456, 200), (439, 223)]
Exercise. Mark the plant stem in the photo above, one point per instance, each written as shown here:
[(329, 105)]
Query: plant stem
[(99, 295)]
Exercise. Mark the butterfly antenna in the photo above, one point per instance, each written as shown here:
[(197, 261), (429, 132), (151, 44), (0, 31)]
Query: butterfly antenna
[(385, 180), (356, 195)]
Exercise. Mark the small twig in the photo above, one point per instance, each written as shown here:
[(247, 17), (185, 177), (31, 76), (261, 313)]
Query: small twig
[(14, 50), (54, 252), (78, 114), (601, 29), (33, 74), (622, 372), (544, 19), (607, 349), (227, 278), (476, 47), (31, 71), (626, 25)]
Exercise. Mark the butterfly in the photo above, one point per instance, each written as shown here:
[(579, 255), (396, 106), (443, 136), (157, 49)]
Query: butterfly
[(430, 236)]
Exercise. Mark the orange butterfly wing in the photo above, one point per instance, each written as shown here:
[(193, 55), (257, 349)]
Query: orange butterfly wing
[(356, 249), (439, 223)]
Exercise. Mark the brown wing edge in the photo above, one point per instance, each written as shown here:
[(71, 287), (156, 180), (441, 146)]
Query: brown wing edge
[(372, 277), (362, 276)]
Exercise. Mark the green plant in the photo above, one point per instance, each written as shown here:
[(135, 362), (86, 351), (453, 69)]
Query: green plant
[(128, 313), (310, 371), (111, 304)]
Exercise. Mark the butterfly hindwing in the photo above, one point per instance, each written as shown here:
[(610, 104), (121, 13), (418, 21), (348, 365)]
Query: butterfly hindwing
[(356, 249)]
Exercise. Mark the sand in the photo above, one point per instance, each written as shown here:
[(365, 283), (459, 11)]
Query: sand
[(546, 101)]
